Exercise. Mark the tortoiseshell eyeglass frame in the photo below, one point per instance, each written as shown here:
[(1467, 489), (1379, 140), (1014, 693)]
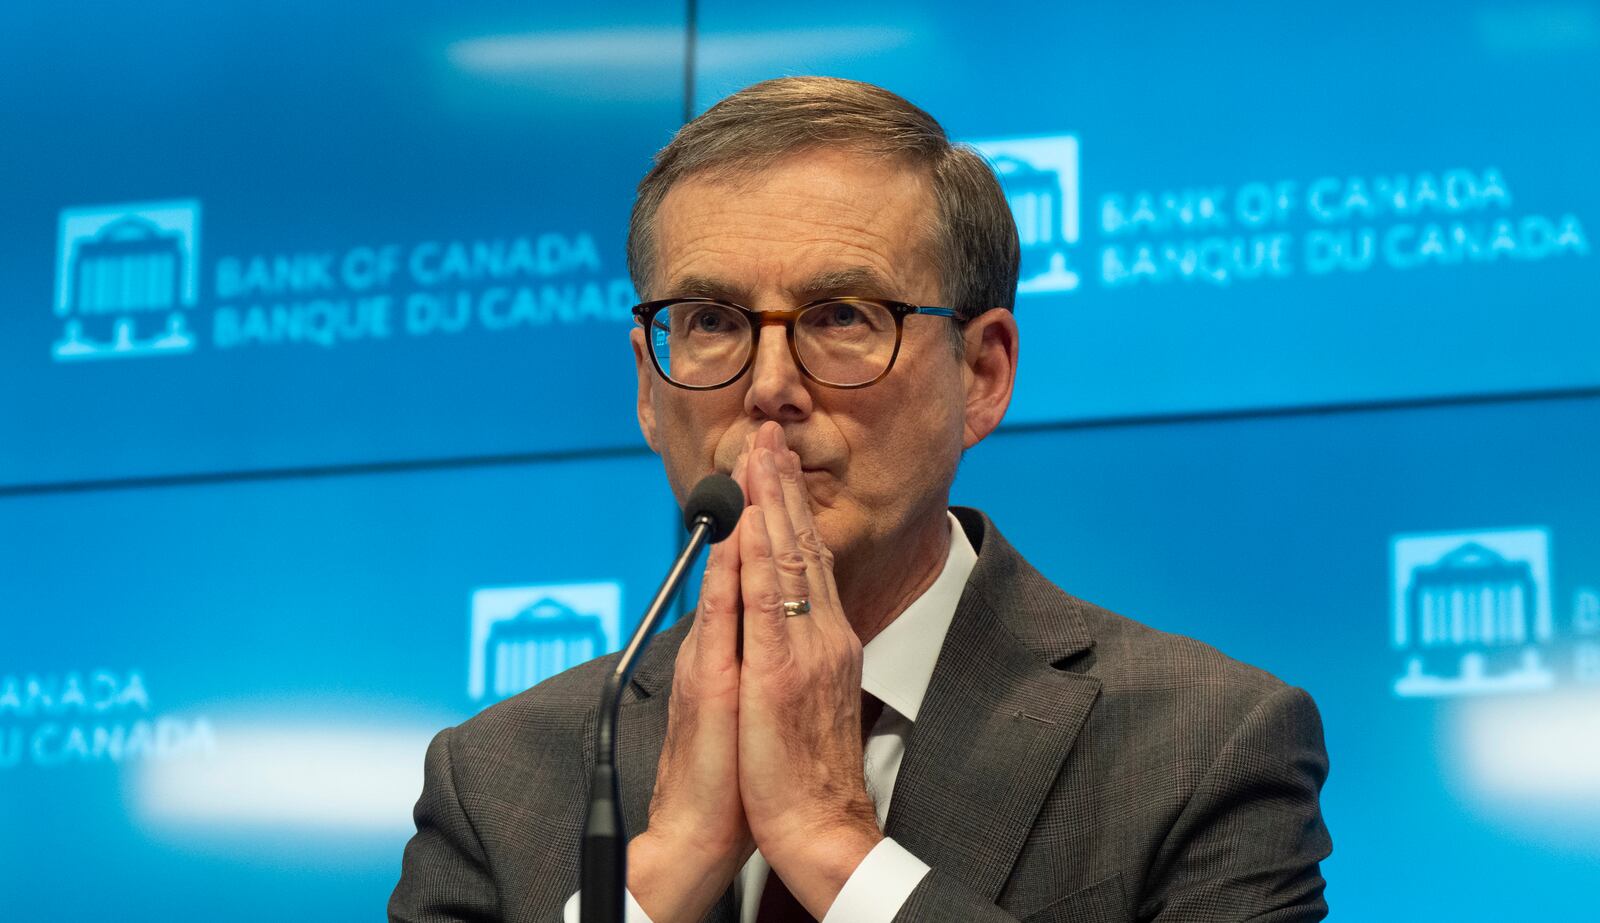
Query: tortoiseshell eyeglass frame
[(645, 314)]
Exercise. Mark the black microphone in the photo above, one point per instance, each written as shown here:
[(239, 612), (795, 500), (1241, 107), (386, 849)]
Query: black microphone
[(712, 511)]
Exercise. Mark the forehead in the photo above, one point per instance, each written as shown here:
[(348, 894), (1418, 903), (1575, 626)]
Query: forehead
[(814, 220)]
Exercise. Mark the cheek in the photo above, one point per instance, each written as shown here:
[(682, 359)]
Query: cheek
[(908, 449), (693, 429)]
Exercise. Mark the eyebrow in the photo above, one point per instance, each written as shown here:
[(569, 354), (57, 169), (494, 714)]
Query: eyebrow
[(861, 281), (707, 287)]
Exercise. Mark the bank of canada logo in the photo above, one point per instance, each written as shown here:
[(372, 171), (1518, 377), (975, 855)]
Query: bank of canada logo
[(1471, 612), (523, 635), (126, 278), (1040, 179)]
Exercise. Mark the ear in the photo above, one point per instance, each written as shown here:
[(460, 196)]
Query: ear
[(648, 379), (990, 371)]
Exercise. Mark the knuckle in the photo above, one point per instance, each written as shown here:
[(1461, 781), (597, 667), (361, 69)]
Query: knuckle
[(808, 540), (845, 650), (781, 673), (683, 689), (792, 563), (769, 601), (695, 683)]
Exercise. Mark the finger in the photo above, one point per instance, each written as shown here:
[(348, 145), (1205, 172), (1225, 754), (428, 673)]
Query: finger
[(820, 585), (718, 621), (741, 472), (770, 436), (796, 498), (797, 503), (787, 560), (764, 631), (741, 466)]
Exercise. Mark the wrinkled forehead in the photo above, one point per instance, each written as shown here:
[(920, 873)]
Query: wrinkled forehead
[(809, 225)]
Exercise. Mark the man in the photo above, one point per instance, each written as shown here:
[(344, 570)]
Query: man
[(879, 711)]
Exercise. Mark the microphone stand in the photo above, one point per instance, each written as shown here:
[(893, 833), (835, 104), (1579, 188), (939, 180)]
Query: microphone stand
[(604, 868)]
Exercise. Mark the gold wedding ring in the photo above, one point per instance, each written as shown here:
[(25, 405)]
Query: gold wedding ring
[(794, 607)]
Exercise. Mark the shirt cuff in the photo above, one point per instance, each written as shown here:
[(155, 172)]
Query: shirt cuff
[(879, 886), (631, 911)]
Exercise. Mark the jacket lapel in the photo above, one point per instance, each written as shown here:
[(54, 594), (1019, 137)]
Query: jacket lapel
[(641, 732), (997, 721)]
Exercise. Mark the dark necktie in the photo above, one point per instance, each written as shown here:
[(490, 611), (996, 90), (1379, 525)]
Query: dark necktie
[(777, 904)]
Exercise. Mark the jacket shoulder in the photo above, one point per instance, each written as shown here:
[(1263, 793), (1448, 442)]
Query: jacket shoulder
[(1129, 654), (1158, 669)]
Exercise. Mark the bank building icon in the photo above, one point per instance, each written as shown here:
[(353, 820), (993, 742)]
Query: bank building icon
[(1040, 178), (523, 635), (1471, 612), (127, 277)]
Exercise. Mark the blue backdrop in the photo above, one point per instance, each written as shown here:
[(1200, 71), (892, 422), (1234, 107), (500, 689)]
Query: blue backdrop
[(312, 317)]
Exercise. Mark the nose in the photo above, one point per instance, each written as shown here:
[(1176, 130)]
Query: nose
[(777, 389)]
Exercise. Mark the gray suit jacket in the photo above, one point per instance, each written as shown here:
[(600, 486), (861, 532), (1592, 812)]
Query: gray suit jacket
[(1068, 765)]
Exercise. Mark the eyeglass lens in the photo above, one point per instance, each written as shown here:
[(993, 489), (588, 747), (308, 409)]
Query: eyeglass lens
[(704, 344)]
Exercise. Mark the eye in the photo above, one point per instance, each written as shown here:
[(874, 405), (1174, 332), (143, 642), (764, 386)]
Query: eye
[(839, 314), (710, 319)]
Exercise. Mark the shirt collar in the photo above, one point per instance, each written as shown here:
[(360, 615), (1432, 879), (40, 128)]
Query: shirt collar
[(897, 664)]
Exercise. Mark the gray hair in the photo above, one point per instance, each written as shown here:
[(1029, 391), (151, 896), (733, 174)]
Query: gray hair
[(974, 239)]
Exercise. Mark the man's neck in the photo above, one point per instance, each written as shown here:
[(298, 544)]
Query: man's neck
[(876, 587)]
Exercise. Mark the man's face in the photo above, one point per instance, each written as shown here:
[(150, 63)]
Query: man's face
[(815, 224)]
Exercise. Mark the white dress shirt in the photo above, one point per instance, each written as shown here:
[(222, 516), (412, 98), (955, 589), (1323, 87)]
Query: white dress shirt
[(896, 667)]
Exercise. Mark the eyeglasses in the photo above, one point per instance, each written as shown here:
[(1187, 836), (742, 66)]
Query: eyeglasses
[(701, 344)]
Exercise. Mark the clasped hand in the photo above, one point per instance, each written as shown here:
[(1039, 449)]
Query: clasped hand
[(763, 745)]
